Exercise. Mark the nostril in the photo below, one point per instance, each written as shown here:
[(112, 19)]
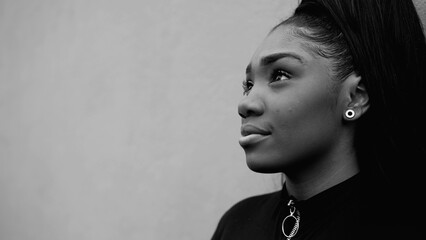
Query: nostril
[(241, 115)]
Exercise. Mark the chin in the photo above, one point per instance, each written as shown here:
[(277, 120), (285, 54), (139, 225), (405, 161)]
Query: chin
[(263, 165)]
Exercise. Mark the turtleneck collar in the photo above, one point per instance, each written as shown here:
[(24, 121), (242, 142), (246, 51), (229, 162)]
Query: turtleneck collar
[(325, 202)]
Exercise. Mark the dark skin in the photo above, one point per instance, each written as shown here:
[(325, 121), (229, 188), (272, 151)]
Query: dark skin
[(293, 117)]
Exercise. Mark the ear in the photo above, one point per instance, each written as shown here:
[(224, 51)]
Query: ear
[(356, 96)]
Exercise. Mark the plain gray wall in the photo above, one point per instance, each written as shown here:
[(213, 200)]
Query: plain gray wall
[(118, 119)]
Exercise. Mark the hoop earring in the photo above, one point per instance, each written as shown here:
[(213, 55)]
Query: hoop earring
[(350, 113)]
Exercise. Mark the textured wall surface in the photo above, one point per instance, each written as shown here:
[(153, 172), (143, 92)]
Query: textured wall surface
[(118, 119), (421, 7)]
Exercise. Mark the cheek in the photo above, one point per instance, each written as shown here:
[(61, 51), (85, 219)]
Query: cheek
[(304, 120)]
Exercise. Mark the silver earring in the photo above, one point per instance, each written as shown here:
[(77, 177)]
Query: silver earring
[(350, 113)]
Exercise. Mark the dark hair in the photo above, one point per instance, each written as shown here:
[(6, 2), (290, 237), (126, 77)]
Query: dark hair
[(383, 42)]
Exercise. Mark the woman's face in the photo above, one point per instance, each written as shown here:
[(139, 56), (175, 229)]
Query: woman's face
[(289, 110)]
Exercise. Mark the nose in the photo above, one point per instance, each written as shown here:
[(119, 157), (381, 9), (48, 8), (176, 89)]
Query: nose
[(251, 105)]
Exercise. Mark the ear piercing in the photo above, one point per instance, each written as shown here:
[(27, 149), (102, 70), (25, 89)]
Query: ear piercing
[(350, 113)]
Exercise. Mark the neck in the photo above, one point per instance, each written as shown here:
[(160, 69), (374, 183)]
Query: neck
[(304, 185)]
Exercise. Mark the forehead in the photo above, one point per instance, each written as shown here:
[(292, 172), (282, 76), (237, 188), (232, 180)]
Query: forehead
[(282, 39)]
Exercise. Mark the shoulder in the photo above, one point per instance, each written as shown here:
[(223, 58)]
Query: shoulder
[(390, 212), (247, 216), (252, 205)]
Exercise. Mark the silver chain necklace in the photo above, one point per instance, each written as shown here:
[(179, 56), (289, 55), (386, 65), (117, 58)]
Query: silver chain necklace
[(293, 216)]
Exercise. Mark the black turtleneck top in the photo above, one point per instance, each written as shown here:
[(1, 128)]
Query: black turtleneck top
[(354, 209)]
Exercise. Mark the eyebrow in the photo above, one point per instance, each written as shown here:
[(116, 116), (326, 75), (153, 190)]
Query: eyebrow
[(266, 60)]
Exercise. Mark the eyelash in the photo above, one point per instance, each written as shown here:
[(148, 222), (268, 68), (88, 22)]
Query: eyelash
[(248, 83), (278, 73)]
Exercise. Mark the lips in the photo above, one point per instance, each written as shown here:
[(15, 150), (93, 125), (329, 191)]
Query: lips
[(252, 134), (248, 129)]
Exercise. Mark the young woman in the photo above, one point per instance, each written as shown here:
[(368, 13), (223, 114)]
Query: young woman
[(334, 99)]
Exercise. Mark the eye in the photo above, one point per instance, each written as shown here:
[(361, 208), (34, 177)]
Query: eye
[(280, 75), (247, 86)]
